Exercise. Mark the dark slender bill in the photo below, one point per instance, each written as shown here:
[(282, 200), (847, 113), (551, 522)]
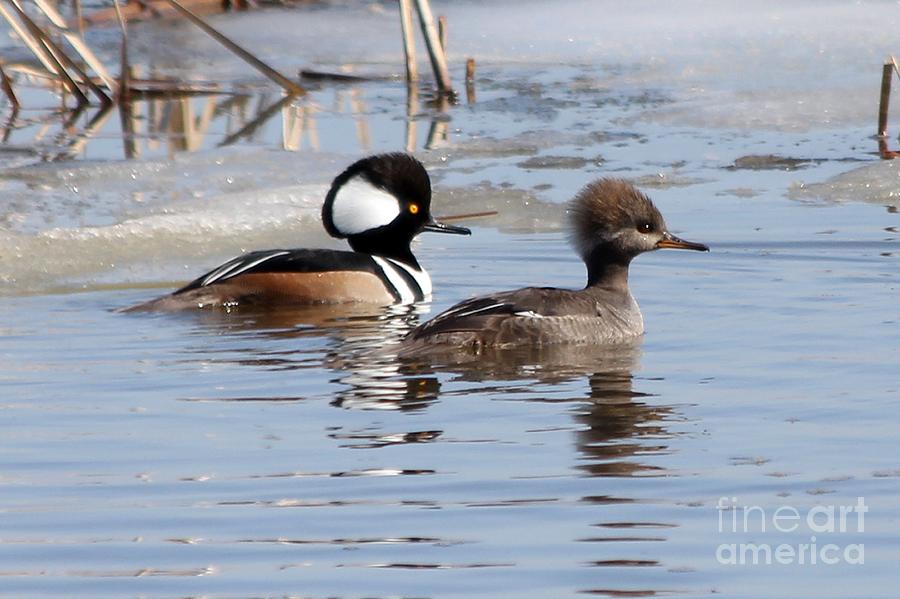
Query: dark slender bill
[(437, 227)]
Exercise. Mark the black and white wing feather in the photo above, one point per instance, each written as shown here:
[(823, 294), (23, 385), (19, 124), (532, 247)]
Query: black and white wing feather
[(283, 261), (477, 313)]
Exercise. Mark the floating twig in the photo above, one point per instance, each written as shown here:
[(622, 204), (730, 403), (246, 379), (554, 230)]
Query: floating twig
[(468, 215), (338, 77), (287, 84)]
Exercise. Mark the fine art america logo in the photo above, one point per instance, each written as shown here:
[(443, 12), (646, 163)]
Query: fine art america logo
[(819, 529)]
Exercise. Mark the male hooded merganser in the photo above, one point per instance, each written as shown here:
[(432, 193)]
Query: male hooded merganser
[(379, 204), (612, 222)]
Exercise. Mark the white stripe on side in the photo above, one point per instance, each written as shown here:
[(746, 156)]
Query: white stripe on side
[(421, 276), (359, 206), (459, 312), (237, 268), (407, 295)]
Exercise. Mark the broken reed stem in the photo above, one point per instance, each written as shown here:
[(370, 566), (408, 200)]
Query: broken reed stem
[(435, 53), (887, 73), (409, 42), (291, 87), (470, 80)]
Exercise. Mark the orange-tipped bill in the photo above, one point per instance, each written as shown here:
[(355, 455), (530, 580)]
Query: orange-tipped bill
[(671, 242)]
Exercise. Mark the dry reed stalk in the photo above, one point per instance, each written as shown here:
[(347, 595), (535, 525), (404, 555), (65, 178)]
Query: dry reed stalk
[(60, 58), (30, 42), (79, 17), (443, 33), (54, 53), (124, 68), (9, 125), (409, 42), (470, 80), (887, 73), (435, 53), (287, 84), (6, 84), (77, 43)]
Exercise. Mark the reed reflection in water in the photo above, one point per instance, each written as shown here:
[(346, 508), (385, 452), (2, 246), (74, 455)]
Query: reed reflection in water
[(162, 123)]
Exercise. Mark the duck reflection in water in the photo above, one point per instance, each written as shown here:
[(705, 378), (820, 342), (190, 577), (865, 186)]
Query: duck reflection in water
[(362, 346)]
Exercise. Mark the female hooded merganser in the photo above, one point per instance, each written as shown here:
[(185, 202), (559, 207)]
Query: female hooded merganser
[(612, 222), (379, 204)]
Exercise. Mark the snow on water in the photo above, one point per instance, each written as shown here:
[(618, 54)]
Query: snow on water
[(878, 183), (118, 222)]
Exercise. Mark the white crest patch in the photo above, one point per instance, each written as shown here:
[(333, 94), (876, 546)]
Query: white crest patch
[(359, 206)]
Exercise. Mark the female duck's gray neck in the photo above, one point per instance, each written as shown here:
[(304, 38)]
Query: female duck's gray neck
[(607, 269)]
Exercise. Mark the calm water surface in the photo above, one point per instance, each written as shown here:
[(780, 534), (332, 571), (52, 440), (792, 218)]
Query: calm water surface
[(292, 453)]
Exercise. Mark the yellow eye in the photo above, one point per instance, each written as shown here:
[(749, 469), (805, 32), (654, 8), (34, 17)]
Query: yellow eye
[(414, 208)]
